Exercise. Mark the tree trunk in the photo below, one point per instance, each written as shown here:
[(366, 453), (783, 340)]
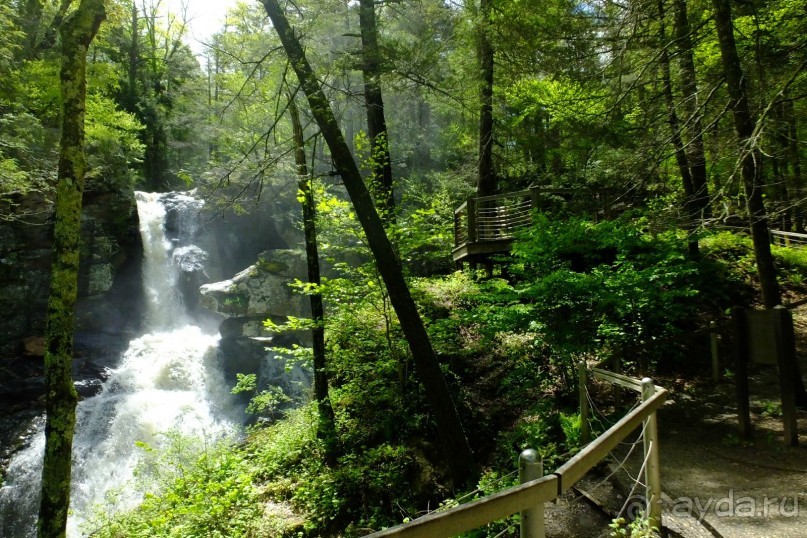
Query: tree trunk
[(751, 157), (134, 57), (376, 121), (796, 186), (690, 211), (326, 429), (693, 126), (31, 24), (456, 451), (77, 33), (486, 182)]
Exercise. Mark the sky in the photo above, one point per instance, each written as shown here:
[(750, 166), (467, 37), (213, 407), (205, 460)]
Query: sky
[(206, 18)]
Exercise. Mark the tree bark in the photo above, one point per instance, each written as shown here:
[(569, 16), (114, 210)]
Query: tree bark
[(326, 429), (376, 121), (31, 24), (132, 96), (486, 181), (751, 157), (675, 136), (693, 126), (794, 156), (77, 33), (455, 447)]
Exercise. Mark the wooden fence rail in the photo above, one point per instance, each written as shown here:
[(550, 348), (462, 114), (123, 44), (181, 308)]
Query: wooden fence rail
[(531, 495)]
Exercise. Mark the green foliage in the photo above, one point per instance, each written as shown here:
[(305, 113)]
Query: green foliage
[(266, 402), (638, 528), (196, 490), (594, 287), (113, 146)]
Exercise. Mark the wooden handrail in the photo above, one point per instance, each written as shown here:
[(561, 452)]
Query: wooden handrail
[(617, 379), (531, 494), (574, 469), (480, 512)]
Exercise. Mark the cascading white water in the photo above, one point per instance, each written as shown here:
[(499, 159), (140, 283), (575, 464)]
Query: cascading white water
[(166, 381)]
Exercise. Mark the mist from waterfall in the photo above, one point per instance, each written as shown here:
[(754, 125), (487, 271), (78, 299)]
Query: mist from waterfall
[(167, 383)]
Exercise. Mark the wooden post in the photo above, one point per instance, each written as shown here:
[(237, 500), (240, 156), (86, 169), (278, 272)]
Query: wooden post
[(788, 370), (472, 230), (582, 381), (534, 198), (530, 467), (652, 472), (741, 373), (715, 340), (616, 367)]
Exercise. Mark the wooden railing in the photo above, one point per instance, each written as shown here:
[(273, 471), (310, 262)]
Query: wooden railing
[(778, 237), (532, 494)]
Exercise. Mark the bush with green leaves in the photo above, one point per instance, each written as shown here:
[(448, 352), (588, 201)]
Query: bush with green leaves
[(602, 287), (194, 489)]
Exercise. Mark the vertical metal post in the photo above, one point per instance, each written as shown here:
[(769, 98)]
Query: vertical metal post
[(715, 341), (652, 473), (582, 382), (531, 467)]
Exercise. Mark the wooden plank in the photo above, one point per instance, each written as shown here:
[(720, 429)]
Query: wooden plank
[(792, 235), (573, 470), (481, 248), (617, 379), (477, 513)]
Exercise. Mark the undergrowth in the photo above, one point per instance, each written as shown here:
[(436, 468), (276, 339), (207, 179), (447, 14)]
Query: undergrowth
[(575, 290)]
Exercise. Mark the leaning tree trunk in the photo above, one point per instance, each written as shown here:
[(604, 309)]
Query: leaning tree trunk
[(691, 214), (751, 157), (693, 126), (326, 429), (455, 447), (376, 121), (77, 32), (486, 182)]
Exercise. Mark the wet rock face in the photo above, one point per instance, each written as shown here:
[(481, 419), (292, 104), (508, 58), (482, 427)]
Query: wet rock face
[(109, 281)]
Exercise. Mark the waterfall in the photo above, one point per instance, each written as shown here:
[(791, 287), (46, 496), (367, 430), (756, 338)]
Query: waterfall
[(167, 382)]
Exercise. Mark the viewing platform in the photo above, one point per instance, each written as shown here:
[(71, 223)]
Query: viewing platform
[(485, 226)]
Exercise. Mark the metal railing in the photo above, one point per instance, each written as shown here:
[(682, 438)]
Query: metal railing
[(529, 497), (492, 218)]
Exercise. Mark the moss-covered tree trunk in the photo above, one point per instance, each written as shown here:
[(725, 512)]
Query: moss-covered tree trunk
[(456, 451), (326, 429), (77, 32)]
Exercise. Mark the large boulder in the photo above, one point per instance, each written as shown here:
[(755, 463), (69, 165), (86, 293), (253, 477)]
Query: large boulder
[(262, 289)]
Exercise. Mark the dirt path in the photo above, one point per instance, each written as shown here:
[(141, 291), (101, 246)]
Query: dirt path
[(740, 488), (734, 487)]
